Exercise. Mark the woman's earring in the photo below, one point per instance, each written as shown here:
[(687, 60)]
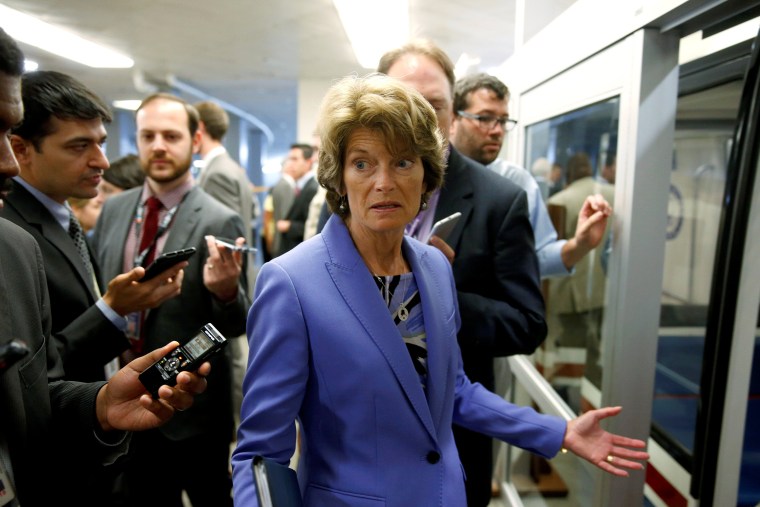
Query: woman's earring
[(423, 205), (342, 205)]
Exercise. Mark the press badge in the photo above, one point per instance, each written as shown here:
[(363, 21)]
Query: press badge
[(6, 490)]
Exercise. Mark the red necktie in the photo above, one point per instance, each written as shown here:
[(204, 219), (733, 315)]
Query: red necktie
[(150, 226), (148, 240)]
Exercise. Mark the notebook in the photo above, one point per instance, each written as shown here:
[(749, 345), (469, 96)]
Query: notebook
[(277, 484)]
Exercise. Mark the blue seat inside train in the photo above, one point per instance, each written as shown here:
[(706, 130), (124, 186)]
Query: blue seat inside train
[(679, 365)]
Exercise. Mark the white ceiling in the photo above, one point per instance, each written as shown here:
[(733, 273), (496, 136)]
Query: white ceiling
[(251, 53)]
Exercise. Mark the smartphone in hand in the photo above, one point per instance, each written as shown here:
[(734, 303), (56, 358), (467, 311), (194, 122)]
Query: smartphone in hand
[(165, 261), (230, 244), (443, 227)]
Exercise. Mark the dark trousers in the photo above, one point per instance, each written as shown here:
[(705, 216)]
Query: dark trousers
[(476, 456), (159, 469)]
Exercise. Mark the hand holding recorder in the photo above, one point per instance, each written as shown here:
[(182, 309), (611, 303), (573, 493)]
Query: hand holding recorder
[(125, 404)]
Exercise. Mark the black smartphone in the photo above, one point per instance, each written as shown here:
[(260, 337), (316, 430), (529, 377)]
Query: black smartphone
[(442, 228), (189, 356), (165, 261)]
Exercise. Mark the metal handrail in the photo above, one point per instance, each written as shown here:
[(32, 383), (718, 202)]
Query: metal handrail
[(539, 389)]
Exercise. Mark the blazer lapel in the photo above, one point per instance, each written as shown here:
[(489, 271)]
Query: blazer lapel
[(430, 288), (10, 387), (354, 281), (114, 264), (456, 195), (37, 215), (187, 218), (205, 172)]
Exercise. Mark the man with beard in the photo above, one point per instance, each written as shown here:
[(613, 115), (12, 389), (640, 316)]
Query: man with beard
[(55, 433), (169, 213), (58, 146)]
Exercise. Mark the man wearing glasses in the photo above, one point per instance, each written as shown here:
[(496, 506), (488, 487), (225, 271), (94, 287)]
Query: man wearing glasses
[(481, 122)]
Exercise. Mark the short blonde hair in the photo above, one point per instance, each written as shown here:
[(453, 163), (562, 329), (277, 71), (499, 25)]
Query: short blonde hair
[(384, 105)]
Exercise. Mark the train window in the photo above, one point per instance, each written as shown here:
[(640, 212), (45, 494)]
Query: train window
[(581, 145), (704, 129)]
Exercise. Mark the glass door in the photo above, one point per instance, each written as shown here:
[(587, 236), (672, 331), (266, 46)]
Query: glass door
[(705, 380), (612, 114)]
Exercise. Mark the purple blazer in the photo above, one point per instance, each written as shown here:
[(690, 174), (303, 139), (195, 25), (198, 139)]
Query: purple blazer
[(324, 350)]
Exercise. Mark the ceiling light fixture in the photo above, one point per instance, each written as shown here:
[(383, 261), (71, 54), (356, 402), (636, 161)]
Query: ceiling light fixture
[(374, 27), (35, 32), (128, 104)]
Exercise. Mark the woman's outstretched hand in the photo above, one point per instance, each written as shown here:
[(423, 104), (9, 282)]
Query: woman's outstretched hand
[(612, 453)]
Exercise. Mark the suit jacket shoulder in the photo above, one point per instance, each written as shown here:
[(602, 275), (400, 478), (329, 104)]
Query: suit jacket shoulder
[(53, 419), (85, 338), (495, 268), (224, 180)]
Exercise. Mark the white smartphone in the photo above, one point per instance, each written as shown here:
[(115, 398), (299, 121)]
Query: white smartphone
[(232, 246), (442, 228)]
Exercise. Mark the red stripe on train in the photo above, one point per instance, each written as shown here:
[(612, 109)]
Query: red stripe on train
[(670, 495)]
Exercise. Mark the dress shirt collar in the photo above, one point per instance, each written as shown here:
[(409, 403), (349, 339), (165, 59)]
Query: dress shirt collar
[(303, 180), (211, 155), (168, 199), (59, 211)]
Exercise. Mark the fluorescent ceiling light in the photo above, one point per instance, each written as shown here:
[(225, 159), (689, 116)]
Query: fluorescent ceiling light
[(374, 27), (35, 32), (30, 65), (128, 104)]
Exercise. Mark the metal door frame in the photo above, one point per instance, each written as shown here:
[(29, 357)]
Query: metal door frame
[(642, 69)]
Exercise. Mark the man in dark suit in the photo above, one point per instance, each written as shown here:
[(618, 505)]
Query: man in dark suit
[(221, 177), (276, 207), (494, 261), (52, 430), (59, 149), (299, 160), (214, 290)]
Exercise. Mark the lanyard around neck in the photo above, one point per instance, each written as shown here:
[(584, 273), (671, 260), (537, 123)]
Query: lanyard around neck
[(162, 228)]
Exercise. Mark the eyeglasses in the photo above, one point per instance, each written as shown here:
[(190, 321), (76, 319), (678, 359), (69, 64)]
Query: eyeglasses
[(487, 122)]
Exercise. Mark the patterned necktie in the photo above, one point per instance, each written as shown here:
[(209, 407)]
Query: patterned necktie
[(77, 235), (150, 228)]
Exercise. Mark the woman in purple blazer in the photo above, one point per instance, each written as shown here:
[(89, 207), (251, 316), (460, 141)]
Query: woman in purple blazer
[(353, 333)]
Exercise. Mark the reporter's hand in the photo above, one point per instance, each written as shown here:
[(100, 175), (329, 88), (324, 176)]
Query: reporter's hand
[(124, 403), (592, 221), (589, 230), (443, 247), (221, 272), (608, 451), (283, 226), (126, 294)]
